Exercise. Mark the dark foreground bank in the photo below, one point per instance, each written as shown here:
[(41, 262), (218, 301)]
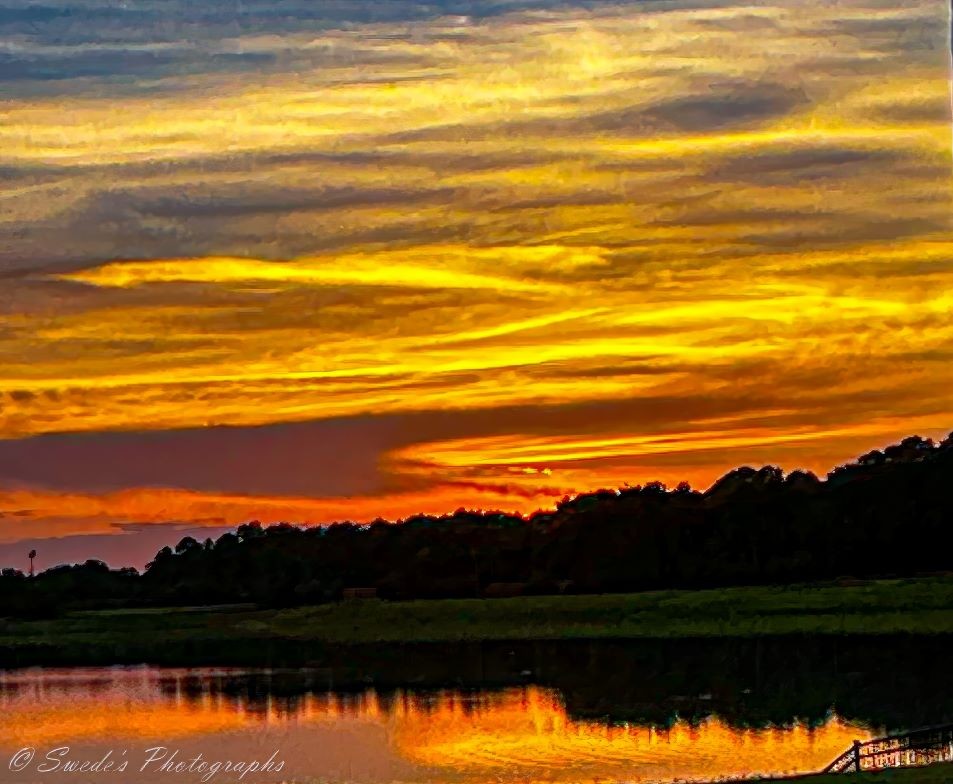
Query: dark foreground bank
[(940, 773)]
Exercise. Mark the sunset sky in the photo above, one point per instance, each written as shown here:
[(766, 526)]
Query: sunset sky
[(309, 261)]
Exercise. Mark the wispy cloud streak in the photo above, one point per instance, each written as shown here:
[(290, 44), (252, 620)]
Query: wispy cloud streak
[(727, 223)]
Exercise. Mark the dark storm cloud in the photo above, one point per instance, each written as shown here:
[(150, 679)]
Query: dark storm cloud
[(244, 199), (752, 216), (244, 161), (740, 23), (342, 457), (786, 167), (164, 221), (838, 230), (723, 105), (876, 269), (901, 29), (728, 106), (643, 367), (128, 45), (127, 64), (332, 458), (914, 111), (141, 213)]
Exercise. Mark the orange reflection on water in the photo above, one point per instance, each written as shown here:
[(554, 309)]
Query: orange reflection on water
[(52, 706), (517, 734), (528, 731)]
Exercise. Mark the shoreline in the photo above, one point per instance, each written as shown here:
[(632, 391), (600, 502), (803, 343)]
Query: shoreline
[(920, 607), (935, 773)]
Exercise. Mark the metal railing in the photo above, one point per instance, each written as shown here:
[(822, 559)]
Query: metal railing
[(917, 747)]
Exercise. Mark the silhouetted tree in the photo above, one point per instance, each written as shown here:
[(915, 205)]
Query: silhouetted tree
[(754, 525)]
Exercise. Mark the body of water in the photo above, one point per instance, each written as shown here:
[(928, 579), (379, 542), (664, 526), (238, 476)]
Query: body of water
[(532, 711), (512, 734)]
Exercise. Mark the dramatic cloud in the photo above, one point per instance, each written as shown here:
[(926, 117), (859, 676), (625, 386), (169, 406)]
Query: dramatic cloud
[(310, 261)]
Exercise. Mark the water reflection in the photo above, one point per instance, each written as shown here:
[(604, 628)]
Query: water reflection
[(510, 734)]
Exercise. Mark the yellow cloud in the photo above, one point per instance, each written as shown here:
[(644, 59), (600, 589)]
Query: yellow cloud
[(345, 270), (566, 207)]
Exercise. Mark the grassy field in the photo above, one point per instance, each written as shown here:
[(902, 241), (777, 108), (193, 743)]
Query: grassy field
[(916, 606)]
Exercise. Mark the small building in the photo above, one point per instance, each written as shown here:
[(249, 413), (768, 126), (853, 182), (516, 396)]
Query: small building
[(359, 593), (504, 590)]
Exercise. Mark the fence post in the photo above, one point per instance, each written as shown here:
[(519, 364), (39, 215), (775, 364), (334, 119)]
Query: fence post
[(857, 756)]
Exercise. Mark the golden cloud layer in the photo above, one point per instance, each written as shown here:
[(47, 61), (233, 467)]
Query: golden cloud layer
[(743, 203)]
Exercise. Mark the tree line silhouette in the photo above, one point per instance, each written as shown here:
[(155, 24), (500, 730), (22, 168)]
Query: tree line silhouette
[(889, 513)]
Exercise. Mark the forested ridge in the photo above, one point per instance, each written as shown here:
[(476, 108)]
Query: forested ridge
[(890, 513)]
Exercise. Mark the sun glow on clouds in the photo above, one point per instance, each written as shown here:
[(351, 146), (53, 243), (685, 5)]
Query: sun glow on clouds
[(48, 514), (533, 215)]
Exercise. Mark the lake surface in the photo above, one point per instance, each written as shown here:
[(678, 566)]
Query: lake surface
[(531, 711), (512, 734)]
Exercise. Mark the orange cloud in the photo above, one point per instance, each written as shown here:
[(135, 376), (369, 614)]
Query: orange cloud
[(564, 211)]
